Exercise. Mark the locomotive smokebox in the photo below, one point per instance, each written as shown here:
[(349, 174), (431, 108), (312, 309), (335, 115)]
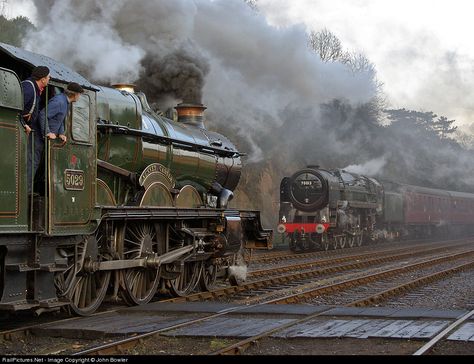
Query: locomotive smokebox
[(192, 114)]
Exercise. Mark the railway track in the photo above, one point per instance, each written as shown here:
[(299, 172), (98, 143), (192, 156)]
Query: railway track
[(320, 273), (335, 266), (262, 257), (311, 261)]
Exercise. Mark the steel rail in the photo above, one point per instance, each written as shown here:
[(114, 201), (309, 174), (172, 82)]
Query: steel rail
[(325, 262), (239, 347), (294, 298), (216, 293), (235, 348), (442, 334)]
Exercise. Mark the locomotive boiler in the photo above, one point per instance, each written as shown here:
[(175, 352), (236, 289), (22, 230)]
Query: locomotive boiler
[(205, 161), (134, 203), (323, 209)]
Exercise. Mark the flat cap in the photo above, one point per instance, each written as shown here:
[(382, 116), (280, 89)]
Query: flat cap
[(75, 87), (40, 72)]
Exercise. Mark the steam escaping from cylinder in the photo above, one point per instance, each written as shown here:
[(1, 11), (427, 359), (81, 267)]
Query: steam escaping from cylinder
[(238, 271)]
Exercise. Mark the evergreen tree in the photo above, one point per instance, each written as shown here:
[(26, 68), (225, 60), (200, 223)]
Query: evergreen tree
[(443, 127), (12, 31)]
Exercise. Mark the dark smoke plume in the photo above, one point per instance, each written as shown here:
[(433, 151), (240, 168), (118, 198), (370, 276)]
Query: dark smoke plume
[(179, 75)]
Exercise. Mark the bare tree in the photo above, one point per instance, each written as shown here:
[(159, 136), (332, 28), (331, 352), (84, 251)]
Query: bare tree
[(327, 45), (466, 140), (252, 4), (358, 62)]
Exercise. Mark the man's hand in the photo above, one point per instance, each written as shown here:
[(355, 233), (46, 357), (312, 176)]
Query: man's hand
[(27, 130), (51, 136), (63, 138)]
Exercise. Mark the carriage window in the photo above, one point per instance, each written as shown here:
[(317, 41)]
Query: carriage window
[(80, 119)]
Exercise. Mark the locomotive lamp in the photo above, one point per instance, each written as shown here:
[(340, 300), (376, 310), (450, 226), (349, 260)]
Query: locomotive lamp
[(281, 228)]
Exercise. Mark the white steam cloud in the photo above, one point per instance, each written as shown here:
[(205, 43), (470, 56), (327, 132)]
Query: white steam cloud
[(372, 167), (82, 35), (244, 70)]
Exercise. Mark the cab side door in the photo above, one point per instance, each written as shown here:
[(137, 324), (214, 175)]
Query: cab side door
[(72, 169)]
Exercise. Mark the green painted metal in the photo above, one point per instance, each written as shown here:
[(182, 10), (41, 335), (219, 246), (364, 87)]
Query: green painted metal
[(157, 195), (11, 96), (73, 171), (393, 211), (73, 197), (188, 197), (134, 153), (13, 201), (104, 196)]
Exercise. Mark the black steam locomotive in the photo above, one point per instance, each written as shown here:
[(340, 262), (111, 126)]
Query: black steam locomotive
[(323, 209)]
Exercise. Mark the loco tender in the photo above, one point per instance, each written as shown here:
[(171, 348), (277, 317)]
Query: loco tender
[(133, 203), (323, 209)]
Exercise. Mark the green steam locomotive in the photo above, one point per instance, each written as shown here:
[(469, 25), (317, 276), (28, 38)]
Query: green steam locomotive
[(134, 203)]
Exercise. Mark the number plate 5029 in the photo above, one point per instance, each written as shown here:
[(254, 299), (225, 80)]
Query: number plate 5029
[(73, 180)]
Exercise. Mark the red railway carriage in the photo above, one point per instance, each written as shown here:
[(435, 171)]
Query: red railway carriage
[(426, 206), (428, 211), (462, 208), (432, 206)]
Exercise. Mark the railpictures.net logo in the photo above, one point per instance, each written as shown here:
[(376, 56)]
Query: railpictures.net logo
[(59, 360)]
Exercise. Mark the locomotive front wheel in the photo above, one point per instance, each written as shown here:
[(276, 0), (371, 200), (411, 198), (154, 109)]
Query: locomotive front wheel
[(80, 283), (140, 284), (325, 242)]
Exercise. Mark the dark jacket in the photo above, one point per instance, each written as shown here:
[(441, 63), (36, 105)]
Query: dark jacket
[(57, 111), (29, 92)]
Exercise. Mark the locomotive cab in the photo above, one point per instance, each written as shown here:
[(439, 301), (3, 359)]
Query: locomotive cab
[(67, 203)]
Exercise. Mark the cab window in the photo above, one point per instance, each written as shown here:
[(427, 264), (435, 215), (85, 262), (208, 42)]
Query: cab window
[(80, 119)]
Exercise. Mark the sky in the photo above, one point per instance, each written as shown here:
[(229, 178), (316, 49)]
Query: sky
[(422, 49)]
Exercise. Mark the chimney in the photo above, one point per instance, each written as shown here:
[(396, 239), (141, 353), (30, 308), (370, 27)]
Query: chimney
[(191, 114)]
